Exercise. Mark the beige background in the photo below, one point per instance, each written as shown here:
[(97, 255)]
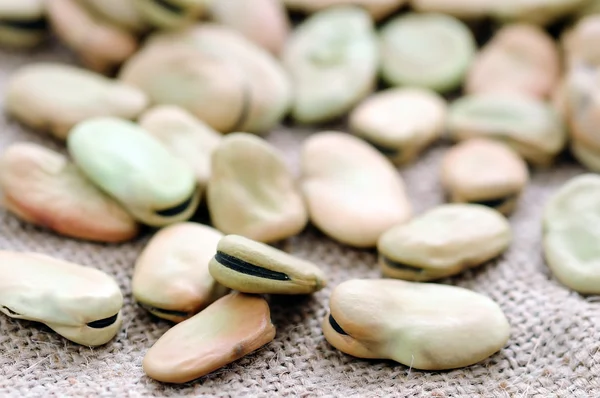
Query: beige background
[(553, 350)]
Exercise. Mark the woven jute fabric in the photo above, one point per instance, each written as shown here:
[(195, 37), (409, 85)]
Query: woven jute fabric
[(553, 351)]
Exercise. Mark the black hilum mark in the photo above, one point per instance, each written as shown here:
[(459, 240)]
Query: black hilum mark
[(244, 267), (336, 326), (102, 323)]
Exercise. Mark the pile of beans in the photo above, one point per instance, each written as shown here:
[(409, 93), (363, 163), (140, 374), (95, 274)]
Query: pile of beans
[(168, 110)]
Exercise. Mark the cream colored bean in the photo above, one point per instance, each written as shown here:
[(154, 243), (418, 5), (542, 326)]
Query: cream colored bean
[(571, 234), (377, 9), (400, 122), (520, 58), (530, 126), (443, 242), (484, 171), (252, 192), (80, 303), (230, 328), (253, 267), (426, 50), (100, 45), (215, 73), (332, 58), (133, 167), (22, 23), (43, 187), (422, 325), (265, 22), (53, 97), (187, 137), (171, 277), (354, 194)]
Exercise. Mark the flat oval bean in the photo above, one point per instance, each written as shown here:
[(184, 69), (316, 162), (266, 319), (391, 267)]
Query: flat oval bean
[(80, 303), (253, 267), (215, 73), (230, 328), (571, 234), (43, 187), (353, 193), (443, 242), (426, 50), (54, 97), (400, 122), (422, 325), (332, 59), (519, 58), (530, 126), (484, 171), (171, 277), (252, 192), (129, 164)]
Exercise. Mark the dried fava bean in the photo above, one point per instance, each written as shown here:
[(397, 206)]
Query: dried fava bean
[(253, 267), (530, 126), (265, 22), (171, 14), (55, 97), (42, 187), (215, 73), (230, 328), (353, 193), (332, 58), (400, 122), (377, 9), (251, 191), (464, 9), (22, 23), (571, 234), (484, 171), (185, 136), (539, 12), (80, 303), (520, 58), (443, 242), (209, 88), (426, 50), (171, 277), (122, 13), (100, 45), (129, 164), (422, 325)]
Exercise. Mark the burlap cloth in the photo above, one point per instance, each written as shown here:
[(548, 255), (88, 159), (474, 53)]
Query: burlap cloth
[(554, 348)]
